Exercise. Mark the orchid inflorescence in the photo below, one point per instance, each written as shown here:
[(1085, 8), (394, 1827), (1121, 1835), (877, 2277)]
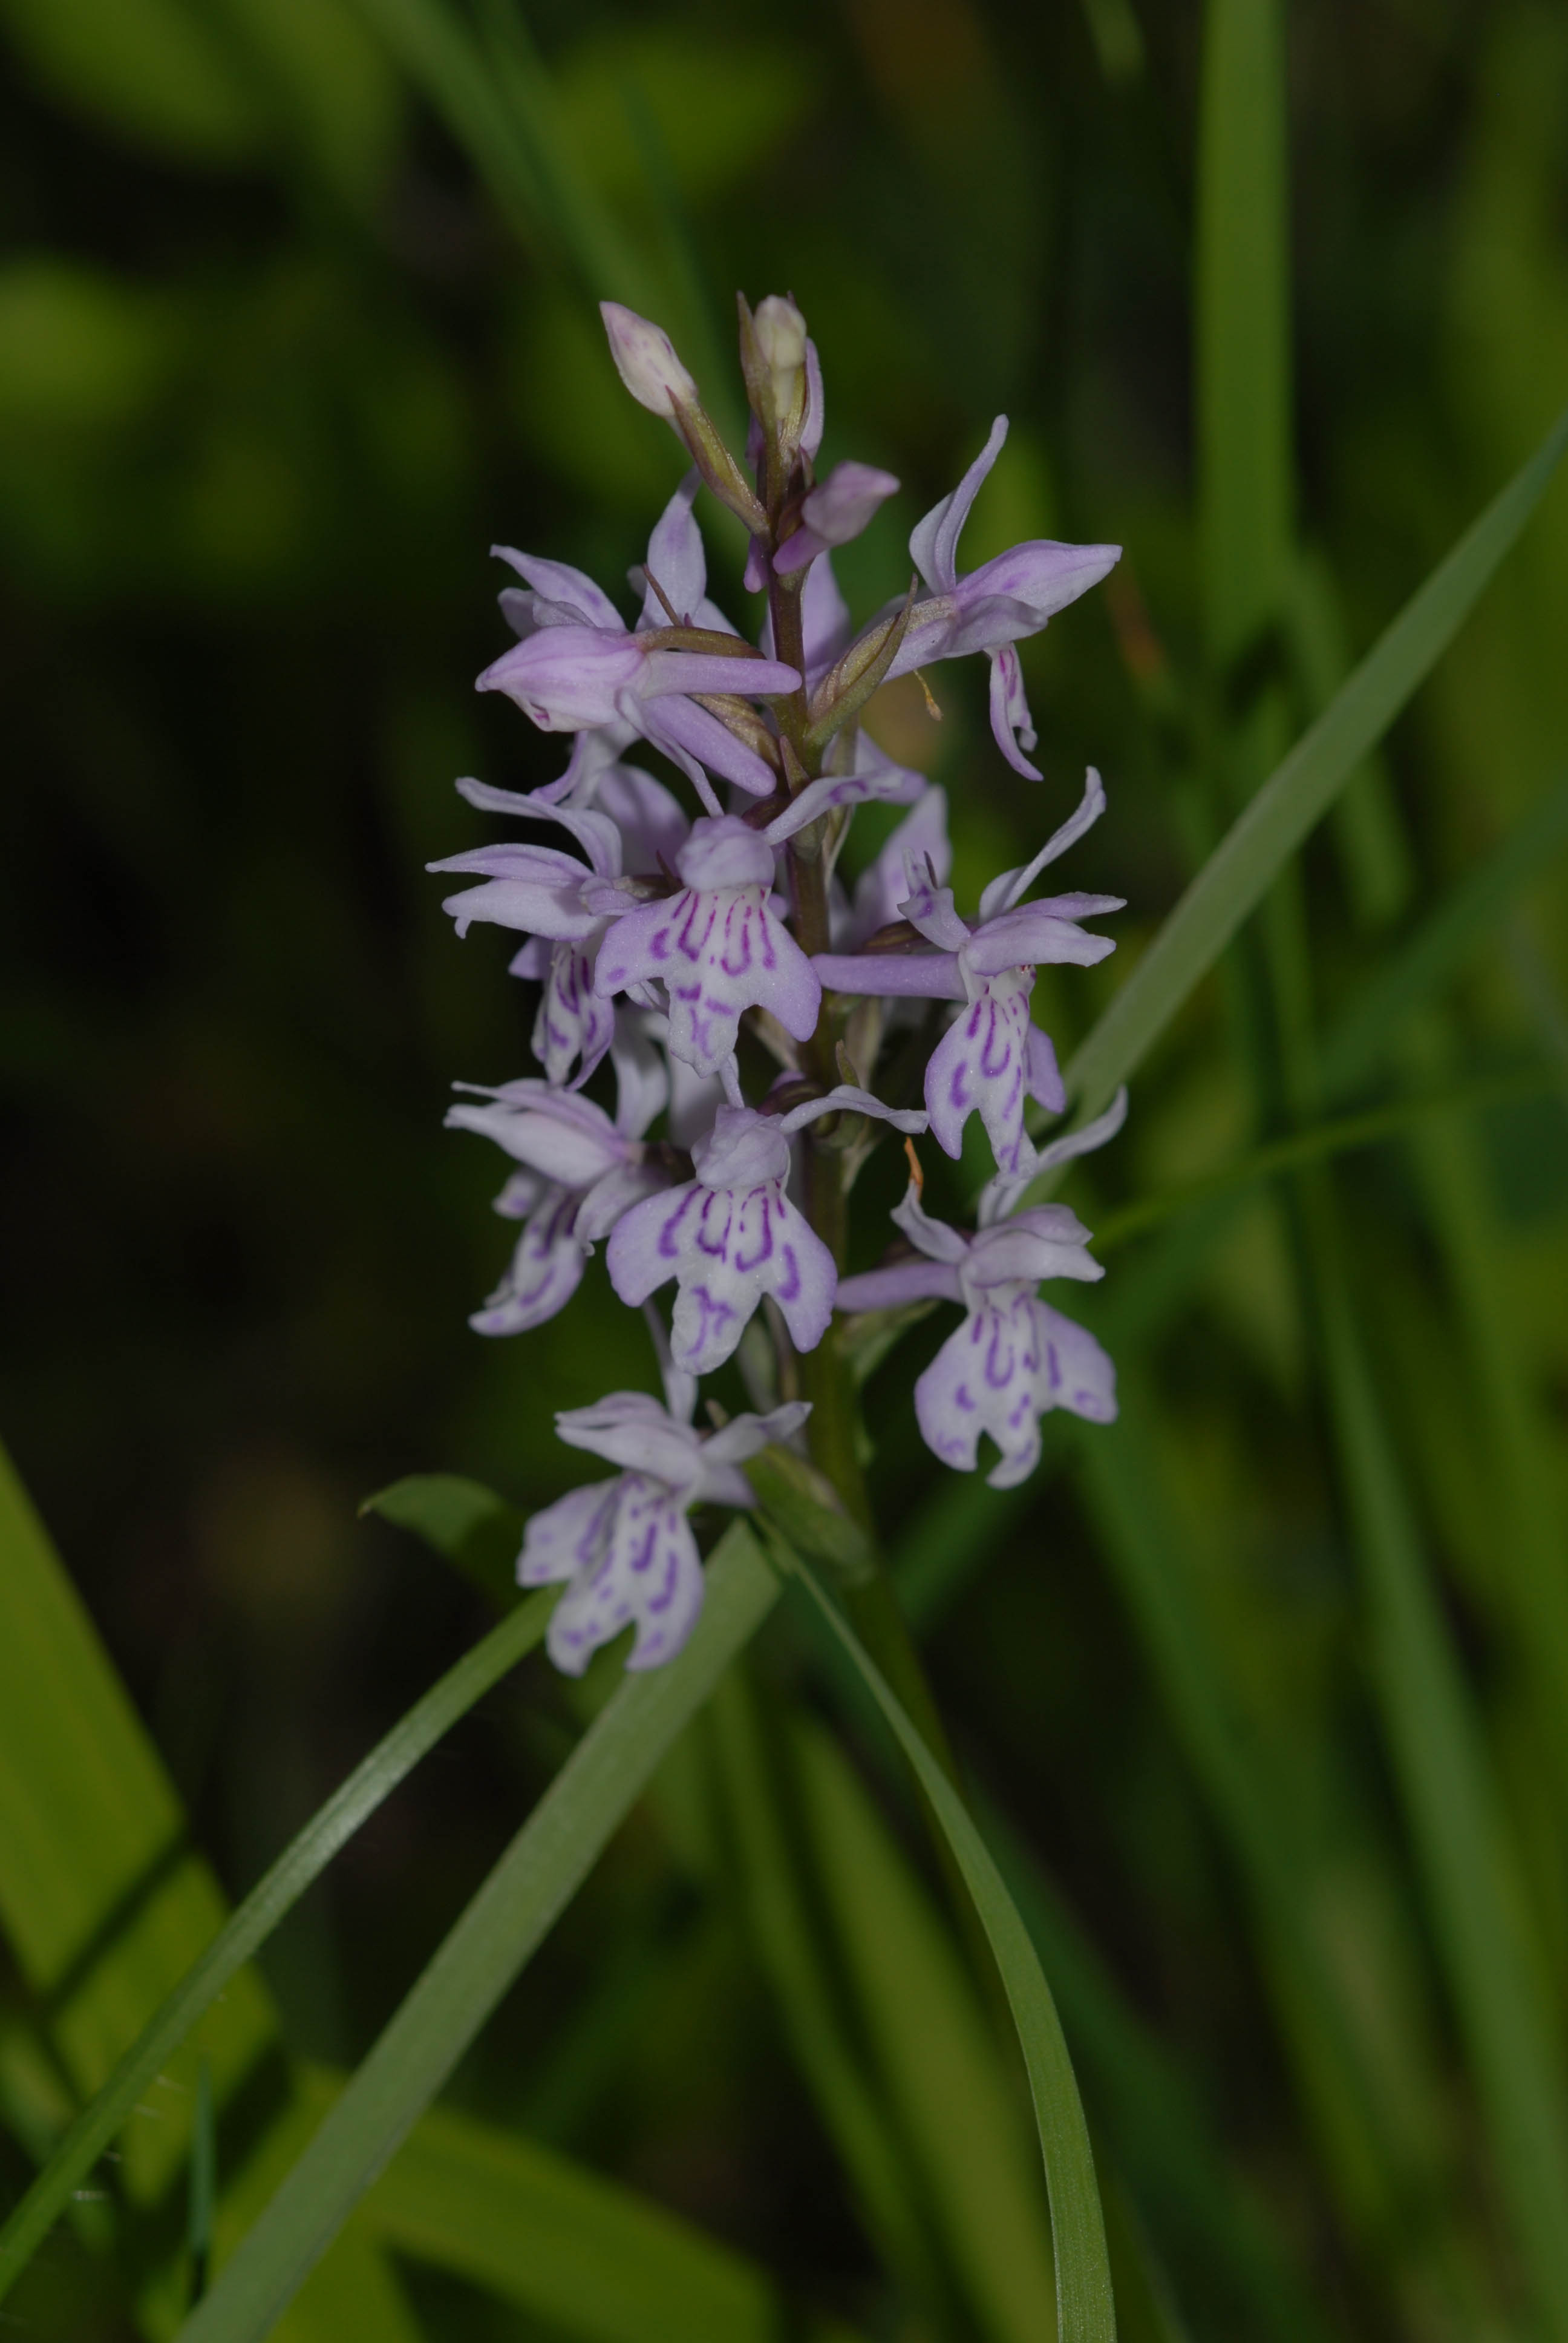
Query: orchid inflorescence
[(661, 937)]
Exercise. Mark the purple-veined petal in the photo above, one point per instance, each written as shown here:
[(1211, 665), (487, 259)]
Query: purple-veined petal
[(934, 1237), (880, 779), (565, 678), (1075, 1372), (1013, 885), (979, 1065), (718, 952), (1011, 725), (934, 541), (538, 889), (558, 1133), (834, 511), (928, 908), (748, 1435), (1039, 576), (676, 558), (984, 1379), (647, 1574), (609, 1200), (573, 1021), (545, 1270), (558, 582), (664, 671), (911, 976), (651, 823), (848, 1098), (693, 737), (596, 833), (1034, 934), (568, 1536), (898, 1283), (1042, 1075), (919, 842), (633, 1431)]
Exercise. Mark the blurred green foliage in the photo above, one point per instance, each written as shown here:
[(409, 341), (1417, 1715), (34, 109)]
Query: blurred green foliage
[(295, 320)]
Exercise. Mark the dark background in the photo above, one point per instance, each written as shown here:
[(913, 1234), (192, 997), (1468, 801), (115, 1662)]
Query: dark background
[(275, 368)]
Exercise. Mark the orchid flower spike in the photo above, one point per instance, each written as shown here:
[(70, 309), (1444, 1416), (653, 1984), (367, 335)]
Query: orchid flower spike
[(666, 931)]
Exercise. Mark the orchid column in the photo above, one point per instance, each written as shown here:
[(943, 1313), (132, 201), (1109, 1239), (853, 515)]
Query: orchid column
[(761, 1031)]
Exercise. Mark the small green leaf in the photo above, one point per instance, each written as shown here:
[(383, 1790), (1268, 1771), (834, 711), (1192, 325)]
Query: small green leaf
[(469, 1525), (805, 1505)]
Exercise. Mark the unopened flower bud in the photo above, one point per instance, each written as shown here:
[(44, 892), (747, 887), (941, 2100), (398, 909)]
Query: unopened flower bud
[(646, 360), (781, 341)]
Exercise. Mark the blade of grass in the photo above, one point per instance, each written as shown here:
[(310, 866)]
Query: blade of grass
[(1243, 337), (103, 1936), (1263, 838), (1444, 1777), (939, 2058), (769, 1862), (1085, 2311), (1415, 969), (1150, 2111), (301, 1862), (1338, 1136), (482, 1955), (537, 2229)]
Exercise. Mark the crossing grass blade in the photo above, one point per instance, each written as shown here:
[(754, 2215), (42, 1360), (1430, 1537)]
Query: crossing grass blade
[(302, 1862), (1455, 1820), (584, 2255), (1085, 2309), (1301, 790), (1416, 971), (482, 1955), (102, 1939), (1242, 323)]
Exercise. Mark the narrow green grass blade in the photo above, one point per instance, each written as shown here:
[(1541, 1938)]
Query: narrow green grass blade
[(1149, 2110), (1263, 838), (1085, 2311), (939, 2058), (1243, 324), (497, 105), (1442, 1771), (303, 1861), (767, 1860), (1413, 973), (591, 2258), (524, 1893), (103, 1937), (1340, 1136)]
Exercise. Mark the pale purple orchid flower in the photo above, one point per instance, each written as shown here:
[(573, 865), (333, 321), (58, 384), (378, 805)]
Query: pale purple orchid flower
[(992, 1057), (624, 1546), (548, 894), (581, 1170), (832, 513), (731, 1236), (578, 666), (995, 607), (718, 947), (1014, 1358)]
